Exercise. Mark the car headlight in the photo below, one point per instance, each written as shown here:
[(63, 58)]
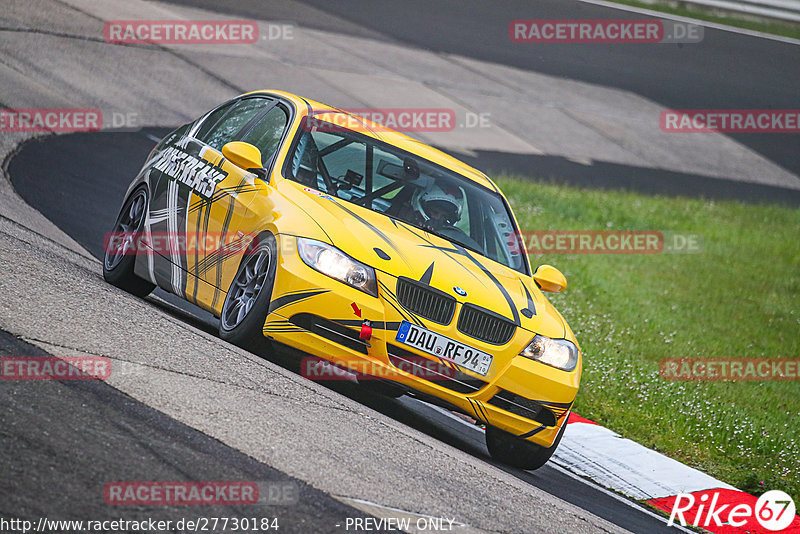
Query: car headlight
[(332, 262), (558, 353)]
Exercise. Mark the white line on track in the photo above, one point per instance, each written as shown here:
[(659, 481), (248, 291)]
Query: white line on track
[(704, 23)]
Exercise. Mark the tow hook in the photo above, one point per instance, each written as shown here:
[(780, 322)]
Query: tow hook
[(366, 330)]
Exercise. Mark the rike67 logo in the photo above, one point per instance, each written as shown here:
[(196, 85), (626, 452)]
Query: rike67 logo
[(730, 511)]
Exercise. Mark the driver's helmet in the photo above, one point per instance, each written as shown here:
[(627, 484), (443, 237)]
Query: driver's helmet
[(438, 204)]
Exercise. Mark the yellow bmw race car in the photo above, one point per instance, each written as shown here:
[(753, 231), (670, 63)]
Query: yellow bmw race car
[(299, 223)]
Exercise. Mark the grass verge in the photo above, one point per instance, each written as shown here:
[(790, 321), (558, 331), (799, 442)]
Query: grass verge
[(775, 28), (738, 297)]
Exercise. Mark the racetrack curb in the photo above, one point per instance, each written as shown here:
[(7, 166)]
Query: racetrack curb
[(620, 464)]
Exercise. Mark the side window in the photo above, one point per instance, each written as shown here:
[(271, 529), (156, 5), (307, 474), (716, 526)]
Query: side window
[(463, 222), (239, 115), (211, 120), (267, 133), (348, 158)]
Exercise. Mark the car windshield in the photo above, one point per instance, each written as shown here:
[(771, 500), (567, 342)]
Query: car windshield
[(362, 170)]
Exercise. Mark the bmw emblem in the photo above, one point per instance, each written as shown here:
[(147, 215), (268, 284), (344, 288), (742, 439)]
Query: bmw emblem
[(459, 291)]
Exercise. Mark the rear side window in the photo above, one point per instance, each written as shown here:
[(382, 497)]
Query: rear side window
[(211, 120), (236, 118), (267, 133)]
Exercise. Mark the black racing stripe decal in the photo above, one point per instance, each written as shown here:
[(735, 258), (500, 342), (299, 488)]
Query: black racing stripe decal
[(376, 325), (446, 363), (215, 260), (289, 298), (281, 327), (411, 317), (182, 216), (243, 187), (390, 296), (565, 405), (358, 322), (483, 410), (374, 229), (464, 252), (216, 257), (558, 408), (532, 432), (221, 191), (453, 365), (475, 410), (432, 245), (206, 220), (480, 413), (223, 235), (203, 204), (530, 310), (427, 275), (496, 282)]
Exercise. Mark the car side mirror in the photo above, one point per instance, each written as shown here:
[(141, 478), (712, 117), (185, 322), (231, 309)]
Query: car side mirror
[(245, 156), (548, 278)]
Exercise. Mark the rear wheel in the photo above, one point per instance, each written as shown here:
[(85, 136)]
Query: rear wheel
[(517, 452), (247, 303), (120, 248)]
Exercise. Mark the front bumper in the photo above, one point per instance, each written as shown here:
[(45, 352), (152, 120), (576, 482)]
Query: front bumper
[(320, 316)]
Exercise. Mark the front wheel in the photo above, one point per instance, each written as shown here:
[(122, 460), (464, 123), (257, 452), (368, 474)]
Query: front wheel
[(516, 452), (247, 303), (120, 247)]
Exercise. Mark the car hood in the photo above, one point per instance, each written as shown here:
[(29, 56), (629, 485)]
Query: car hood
[(399, 249)]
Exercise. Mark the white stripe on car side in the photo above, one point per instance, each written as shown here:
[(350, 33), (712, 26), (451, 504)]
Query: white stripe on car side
[(172, 226)]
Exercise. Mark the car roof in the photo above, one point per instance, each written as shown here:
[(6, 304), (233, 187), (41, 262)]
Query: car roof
[(326, 112)]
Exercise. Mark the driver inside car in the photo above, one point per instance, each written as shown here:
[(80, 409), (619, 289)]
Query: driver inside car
[(436, 208)]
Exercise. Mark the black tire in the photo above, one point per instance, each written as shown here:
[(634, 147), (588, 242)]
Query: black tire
[(246, 305), (516, 452), (118, 263)]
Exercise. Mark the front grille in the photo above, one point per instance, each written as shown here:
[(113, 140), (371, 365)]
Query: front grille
[(330, 330), (523, 407), (425, 301), (432, 371), (485, 325)]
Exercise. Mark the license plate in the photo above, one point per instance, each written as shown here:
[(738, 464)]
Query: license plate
[(443, 347)]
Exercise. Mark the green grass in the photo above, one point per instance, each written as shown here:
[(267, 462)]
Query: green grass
[(738, 297), (775, 28)]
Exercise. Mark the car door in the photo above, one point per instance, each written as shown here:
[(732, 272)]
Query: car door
[(190, 176), (225, 221)]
